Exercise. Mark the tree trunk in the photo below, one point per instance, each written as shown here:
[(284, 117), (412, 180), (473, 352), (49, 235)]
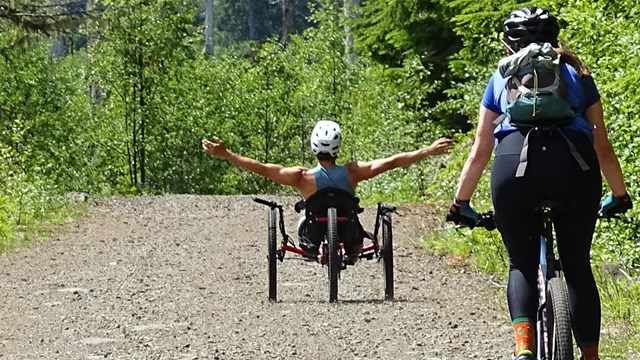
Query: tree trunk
[(288, 19), (142, 103), (208, 30), (60, 46), (351, 12), (251, 20)]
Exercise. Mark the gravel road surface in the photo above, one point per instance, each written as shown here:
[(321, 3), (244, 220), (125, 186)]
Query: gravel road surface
[(185, 277)]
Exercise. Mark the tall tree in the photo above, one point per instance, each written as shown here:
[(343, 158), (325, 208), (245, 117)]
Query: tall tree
[(251, 20), (351, 10), (208, 29), (48, 19), (288, 19)]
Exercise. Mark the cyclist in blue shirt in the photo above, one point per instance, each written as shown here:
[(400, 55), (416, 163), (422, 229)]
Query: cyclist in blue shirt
[(326, 140), (552, 172)]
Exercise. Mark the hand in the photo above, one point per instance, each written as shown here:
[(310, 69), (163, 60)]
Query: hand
[(214, 147), (440, 146), (613, 205), (461, 213)]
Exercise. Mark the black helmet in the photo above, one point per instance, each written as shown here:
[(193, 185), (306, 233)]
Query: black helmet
[(527, 25)]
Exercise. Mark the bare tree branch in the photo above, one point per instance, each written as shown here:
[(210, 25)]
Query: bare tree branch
[(41, 18)]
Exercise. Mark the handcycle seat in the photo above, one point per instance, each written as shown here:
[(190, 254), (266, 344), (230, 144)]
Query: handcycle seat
[(347, 207)]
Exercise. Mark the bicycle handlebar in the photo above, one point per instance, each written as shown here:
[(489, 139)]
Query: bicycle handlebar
[(487, 220)]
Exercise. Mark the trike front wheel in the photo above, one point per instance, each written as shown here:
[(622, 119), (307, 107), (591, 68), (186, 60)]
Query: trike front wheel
[(272, 255), (387, 257), (334, 253)]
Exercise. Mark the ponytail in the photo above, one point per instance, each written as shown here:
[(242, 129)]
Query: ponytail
[(572, 59)]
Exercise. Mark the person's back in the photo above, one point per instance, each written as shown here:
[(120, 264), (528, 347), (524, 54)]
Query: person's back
[(332, 177), (557, 161)]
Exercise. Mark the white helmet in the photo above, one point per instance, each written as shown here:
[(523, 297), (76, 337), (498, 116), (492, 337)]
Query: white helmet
[(326, 138)]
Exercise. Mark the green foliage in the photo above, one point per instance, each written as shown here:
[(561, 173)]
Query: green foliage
[(414, 39), (125, 113)]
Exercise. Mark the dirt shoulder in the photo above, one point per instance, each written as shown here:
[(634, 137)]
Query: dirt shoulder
[(185, 277)]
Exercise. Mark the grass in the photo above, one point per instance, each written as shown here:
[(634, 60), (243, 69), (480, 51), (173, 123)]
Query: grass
[(20, 225), (620, 296)]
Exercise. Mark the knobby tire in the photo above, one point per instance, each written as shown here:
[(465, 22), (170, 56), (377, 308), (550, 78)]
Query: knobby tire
[(272, 256), (560, 339), (334, 253), (387, 257)]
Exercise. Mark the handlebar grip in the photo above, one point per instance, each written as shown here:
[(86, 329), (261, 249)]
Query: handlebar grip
[(486, 221), (270, 204)]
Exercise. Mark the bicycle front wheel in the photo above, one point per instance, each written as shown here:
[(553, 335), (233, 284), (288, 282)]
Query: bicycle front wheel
[(272, 256), (387, 256), (334, 253), (559, 337)]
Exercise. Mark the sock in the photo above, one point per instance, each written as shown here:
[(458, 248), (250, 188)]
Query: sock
[(525, 335), (590, 352)]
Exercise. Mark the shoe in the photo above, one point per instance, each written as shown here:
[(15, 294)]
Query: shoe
[(303, 239), (524, 355)]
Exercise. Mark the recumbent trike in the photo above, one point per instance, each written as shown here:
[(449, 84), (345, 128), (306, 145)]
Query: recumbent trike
[(332, 219)]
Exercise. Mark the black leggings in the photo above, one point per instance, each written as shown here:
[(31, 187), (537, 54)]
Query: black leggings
[(552, 173)]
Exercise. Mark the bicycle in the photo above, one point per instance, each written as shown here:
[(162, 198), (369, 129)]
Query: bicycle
[(332, 219), (554, 338)]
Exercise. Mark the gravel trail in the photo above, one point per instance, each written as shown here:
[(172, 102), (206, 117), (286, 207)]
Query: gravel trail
[(185, 277)]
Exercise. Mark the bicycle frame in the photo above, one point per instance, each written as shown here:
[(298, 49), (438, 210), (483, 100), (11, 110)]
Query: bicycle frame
[(549, 268), (287, 244)]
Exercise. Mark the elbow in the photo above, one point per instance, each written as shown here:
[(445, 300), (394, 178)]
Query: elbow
[(606, 155), (479, 157)]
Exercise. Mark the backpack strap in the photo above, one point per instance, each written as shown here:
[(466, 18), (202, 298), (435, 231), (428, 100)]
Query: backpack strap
[(522, 166), (575, 153)]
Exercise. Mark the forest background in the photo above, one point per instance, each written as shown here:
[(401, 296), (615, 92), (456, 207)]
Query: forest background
[(112, 98)]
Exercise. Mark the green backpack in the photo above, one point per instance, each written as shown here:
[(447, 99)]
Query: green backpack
[(537, 95), (536, 92)]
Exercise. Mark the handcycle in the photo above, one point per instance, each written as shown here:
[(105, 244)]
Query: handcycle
[(554, 339), (332, 219)]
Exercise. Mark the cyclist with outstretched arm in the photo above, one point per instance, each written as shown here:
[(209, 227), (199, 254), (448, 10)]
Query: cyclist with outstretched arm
[(326, 140)]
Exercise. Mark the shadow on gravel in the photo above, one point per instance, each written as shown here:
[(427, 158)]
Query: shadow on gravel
[(350, 301)]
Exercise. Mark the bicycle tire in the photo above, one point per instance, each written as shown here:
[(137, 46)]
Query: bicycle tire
[(560, 338), (334, 253), (387, 257), (272, 255)]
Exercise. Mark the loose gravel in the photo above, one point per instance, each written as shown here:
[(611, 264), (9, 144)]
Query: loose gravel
[(185, 277)]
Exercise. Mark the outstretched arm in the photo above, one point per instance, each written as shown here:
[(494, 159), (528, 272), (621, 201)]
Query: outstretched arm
[(291, 176), (359, 170)]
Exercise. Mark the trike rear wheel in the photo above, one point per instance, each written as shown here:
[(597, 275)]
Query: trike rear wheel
[(387, 256), (334, 262), (272, 255), (559, 337)]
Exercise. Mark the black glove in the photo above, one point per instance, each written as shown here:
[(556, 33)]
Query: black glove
[(613, 205), (461, 213)]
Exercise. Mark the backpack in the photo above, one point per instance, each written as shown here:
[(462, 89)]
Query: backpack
[(537, 95), (536, 92)]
